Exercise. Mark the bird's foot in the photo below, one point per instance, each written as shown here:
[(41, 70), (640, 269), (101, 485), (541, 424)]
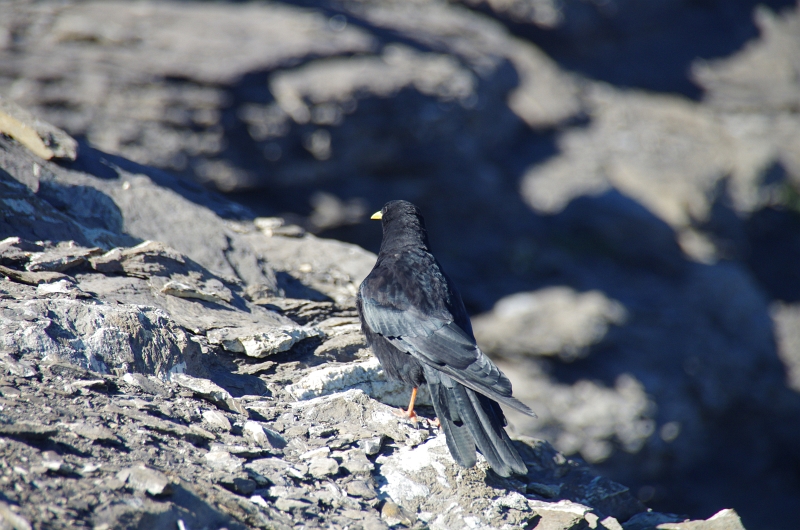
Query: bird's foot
[(408, 414), (436, 423)]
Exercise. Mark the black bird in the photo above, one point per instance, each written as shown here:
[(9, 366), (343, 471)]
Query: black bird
[(417, 326)]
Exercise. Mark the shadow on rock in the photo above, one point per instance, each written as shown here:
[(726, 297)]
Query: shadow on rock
[(630, 44), (655, 368)]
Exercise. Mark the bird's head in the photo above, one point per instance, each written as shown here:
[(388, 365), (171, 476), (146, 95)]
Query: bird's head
[(402, 222)]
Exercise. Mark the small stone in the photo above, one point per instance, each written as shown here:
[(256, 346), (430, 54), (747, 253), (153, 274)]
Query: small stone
[(726, 519), (289, 505), (416, 437), (393, 514), (240, 485), (31, 278), (244, 451), (359, 488), (298, 431), (89, 469), (93, 432), (10, 392), (321, 431), (323, 467), (556, 517), (28, 430), (267, 471), (146, 384), (320, 452), (355, 461), (10, 520), (338, 443), (61, 259), (114, 483), (223, 461), (64, 286), (197, 434), (235, 405), (298, 471), (253, 369), (371, 446), (263, 436), (18, 368), (217, 420), (610, 523), (53, 462), (143, 478), (212, 291), (109, 263), (258, 499), (548, 491), (329, 495), (204, 388)]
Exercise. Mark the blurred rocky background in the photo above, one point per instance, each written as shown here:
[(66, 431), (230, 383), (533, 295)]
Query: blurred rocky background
[(614, 185)]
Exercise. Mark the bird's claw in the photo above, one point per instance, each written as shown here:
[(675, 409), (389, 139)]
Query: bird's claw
[(406, 414)]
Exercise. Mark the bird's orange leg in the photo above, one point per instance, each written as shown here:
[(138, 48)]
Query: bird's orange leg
[(410, 411), (410, 414)]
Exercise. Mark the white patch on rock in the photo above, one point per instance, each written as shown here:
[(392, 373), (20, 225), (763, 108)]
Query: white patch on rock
[(224, 461), (513, 500), (563, 506), (399, 487), (425, 459), (214, 291), (217, 419), (261, 343), (320, 452), (367, 376), (203, 387)]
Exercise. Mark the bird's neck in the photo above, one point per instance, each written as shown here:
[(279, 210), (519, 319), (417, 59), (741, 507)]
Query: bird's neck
[(411, 234)]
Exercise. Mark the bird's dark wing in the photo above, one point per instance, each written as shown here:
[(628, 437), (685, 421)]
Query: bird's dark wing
[(472, 368), (436, 340), (393, 321)]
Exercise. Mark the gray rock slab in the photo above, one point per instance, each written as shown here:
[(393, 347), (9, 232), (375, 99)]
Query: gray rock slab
[(146, 479), (217, 420), (202, 387), (263, 436), (223, 461), (27, 430), (93, 432), (723, 520), (259, 342)]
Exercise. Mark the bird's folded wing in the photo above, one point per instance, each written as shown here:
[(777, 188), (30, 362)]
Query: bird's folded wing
[(391, 321), (450, 350), (438, 341)]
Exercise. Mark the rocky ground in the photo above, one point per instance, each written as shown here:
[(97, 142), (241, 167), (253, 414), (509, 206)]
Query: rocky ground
[(613, 185), (140, 389)]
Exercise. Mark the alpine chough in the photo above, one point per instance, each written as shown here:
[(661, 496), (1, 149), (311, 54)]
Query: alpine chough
[(415, 322)]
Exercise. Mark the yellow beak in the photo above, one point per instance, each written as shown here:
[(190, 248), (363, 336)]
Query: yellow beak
[(377, 215)]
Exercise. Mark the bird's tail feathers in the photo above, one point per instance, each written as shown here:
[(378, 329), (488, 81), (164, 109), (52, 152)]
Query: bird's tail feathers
[(470, 419), (459, 440)]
